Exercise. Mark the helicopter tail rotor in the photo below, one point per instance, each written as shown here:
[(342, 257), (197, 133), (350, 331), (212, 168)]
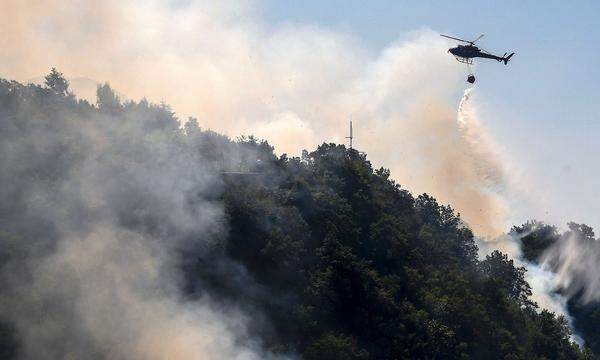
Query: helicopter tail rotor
[(506, 59)]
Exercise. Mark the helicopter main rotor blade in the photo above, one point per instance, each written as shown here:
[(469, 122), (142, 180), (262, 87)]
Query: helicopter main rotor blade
[(453, 38), (479, 37)]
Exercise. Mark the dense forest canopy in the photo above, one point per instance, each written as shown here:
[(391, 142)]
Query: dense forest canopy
[(327, 257)]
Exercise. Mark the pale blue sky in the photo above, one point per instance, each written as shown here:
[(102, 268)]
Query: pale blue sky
[(544, 107)]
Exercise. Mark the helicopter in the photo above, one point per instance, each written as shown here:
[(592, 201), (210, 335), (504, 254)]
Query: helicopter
[(466, 53)]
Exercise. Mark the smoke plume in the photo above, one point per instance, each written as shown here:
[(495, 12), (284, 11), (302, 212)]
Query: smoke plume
[(95, 208), (543, 281), (296, 85), (574, 259)]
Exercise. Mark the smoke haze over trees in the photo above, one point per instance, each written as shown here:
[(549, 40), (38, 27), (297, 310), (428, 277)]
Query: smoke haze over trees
[(294, 84), (125, 235)]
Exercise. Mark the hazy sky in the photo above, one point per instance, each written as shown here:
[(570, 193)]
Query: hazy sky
[(543, 108), (294, 71)]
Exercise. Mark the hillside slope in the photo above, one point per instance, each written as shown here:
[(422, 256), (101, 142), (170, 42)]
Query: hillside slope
[(327, 257)]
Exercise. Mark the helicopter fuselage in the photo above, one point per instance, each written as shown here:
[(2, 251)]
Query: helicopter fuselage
[(471, 51)]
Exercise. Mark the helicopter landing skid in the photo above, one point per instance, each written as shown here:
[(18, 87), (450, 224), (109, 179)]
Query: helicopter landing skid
[(463, 60)]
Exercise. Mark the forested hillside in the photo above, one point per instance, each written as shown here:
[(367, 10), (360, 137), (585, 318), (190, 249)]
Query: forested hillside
[(327, 257), (539, 240)]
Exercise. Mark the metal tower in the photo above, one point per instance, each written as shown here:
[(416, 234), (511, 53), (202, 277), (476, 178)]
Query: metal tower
[(350, 137)]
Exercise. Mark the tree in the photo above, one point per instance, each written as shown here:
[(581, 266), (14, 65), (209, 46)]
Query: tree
[(335, 346), (583, 231), (334, 258), (57, 82), (511, 279), (535, 237), (107, 100)]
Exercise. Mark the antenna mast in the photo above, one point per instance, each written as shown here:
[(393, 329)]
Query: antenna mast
[(350, 137)]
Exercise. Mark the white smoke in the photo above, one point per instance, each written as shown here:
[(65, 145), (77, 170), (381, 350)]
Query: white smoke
[(495, 174), (574, 259), (297, 85), (95, 210), (543, 281), (293, 84)]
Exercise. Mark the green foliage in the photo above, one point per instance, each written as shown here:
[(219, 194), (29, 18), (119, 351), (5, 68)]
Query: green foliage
[(586, 318), (369, 271), (108, 101), (332, 346), (535, 237), (57, 82), (508, 278), (582, 231), (333, 258)]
